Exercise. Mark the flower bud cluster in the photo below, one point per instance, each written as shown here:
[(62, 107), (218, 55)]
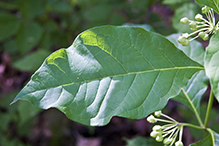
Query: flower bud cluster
[(167, 133), (202, 27)]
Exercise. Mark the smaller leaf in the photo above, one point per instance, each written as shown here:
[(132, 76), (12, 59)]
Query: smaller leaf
[(98, 13), (198, 84), (59, 6), (9, 25), (212, 64), (142, 141), (28, 36), (172, 2), (31, 8), (189, 10), (211, 140), (32, 61), (195, 89), (211, 3)]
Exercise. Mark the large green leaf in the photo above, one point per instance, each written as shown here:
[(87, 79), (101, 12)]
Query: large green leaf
[(211, 3), (109, 70), (198, 84), (211, 140), (212, 64)]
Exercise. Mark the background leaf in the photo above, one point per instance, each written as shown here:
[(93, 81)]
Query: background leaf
[(9, 25), (198, 84), (212, 64), (110, 71), (188, 10), (32, 61), (31, 8), (211, 140), (28, 36), (171, 2), (211, 3), (142, 141)]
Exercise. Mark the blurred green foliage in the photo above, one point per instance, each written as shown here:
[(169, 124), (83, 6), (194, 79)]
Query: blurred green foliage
[(16, 120), (27, 26)]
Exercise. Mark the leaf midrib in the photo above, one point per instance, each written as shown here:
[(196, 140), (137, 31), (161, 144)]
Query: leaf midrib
[(140, 72)]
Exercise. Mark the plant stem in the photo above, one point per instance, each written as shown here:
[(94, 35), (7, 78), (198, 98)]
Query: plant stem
[(193, 107), (210, 102), (193, 126)]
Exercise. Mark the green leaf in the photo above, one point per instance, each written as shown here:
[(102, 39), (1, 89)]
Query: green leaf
[(211, 140), (211, 3), (212, 64), (188, 10), (9, 25), (59, 6), (31, 8), (108, 71), (198, 84), (98, 12), (28, 36), (195, 50), (144, 26), (32, 61), (142, 141), (194, 91), (171, 2)]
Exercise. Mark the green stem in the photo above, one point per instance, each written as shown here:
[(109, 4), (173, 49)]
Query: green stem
[(193, 107), (210, 102), (193, 126)]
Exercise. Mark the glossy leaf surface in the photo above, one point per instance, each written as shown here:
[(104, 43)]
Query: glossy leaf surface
[(198, 84), (211, 140), (108, 71), (211, 3), (212, 64)]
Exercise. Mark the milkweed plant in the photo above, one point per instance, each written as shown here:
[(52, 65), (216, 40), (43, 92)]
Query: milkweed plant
[(131, 71)]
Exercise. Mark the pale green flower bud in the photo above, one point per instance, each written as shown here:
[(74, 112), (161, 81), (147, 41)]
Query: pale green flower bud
[(157, 128), (194, 29), (179, 143), (181, 39), (193, 24), (151, 119), (202, 34), (154, 134), (198, 17), (184, 20), (159, 138), (206, 37), (205, 9), (157, 113), (186, 35), (186, 42), (167, 141)]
